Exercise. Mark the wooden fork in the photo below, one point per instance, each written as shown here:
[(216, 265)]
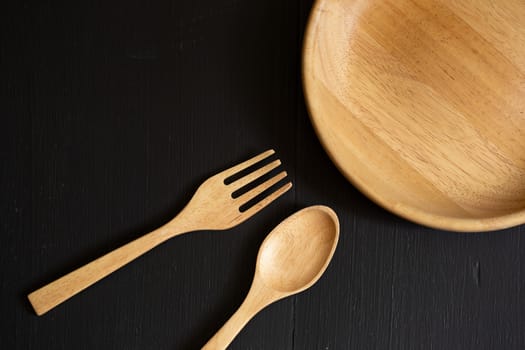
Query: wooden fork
[(212, 207)]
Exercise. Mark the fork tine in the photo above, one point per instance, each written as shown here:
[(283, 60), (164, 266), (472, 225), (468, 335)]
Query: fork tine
[(267, 200), (254, 175), (236, 168), (245, 197)]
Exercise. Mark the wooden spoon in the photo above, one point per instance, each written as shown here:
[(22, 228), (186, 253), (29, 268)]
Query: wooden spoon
[(291, 259)]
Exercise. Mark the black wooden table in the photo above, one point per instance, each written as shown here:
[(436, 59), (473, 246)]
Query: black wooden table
[(113, 113)]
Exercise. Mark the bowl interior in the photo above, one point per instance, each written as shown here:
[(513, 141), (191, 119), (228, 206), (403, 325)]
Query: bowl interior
[(421, 104)]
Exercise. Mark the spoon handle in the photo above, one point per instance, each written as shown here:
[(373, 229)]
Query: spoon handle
[(249, 308)]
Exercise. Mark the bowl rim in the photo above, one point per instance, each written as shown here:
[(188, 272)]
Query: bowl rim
[(403, 210)]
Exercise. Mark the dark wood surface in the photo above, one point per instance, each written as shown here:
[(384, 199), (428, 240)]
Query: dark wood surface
[(113, 113)]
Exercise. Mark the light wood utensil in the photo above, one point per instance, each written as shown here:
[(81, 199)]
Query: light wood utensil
[(421, 105), (211, 208), (291, 259)]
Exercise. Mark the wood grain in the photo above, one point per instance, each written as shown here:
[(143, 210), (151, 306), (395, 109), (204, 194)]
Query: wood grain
[(422, 105), (103, 111), (212, 207), (291, 259)]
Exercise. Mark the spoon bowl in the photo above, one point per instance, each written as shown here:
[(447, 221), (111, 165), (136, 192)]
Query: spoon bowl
[(291, 259), (296, 252)]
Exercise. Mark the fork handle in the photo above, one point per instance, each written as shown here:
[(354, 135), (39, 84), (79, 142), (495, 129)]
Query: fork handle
[(53, 294)]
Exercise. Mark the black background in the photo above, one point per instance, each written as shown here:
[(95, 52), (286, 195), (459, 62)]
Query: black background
[(114, 112)]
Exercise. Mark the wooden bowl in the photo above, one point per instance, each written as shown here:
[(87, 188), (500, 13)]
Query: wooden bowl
[(421, 105)]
